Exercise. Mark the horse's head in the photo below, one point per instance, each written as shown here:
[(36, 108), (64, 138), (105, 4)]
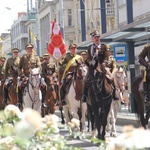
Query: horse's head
[(35, 77), (81, 70), (120, 77)]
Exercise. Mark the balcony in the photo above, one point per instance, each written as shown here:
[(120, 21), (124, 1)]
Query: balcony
[(110, 10)]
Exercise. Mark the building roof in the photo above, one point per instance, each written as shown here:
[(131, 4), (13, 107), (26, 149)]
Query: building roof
[(137, 32)]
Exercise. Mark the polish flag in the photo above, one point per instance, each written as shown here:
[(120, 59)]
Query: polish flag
[(56, 47)]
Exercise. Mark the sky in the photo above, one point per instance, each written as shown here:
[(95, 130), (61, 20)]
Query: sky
[(8, 12)]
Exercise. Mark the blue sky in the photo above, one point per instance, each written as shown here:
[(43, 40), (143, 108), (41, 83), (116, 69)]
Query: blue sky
[(8, 12)]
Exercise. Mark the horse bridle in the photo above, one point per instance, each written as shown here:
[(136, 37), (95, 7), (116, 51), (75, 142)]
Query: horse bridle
[(30, 77)]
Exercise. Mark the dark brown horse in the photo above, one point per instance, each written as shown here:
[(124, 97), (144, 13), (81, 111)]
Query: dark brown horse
[(12, 87), (140, 107), (51, 95), (99, 100)]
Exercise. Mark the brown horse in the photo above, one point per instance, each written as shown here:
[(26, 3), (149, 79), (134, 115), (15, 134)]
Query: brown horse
[(51, 95), (99, 100), (139, 105), (12, 87)]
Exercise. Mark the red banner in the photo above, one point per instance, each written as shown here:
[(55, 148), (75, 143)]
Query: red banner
[(56, 47)]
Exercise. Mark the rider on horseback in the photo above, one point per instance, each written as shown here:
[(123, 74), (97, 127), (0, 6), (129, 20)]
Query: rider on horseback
[(84, 56), (28, 61), (112, 65), (45, 72), (69, 63), (146, 80), (94, 50), (8, 73)]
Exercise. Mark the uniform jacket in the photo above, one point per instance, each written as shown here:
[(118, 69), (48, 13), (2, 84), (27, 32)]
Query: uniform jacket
[(111, 64), (48, 66), (11, 62), (28, 62), (145, 53), (102, 53), (66, 60)]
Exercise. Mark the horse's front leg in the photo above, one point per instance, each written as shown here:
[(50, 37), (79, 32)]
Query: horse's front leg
[(84, 110), (98, 121), (114, 109), (104, 117)]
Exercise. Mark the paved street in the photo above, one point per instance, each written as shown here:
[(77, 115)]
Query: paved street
[(124, 118)]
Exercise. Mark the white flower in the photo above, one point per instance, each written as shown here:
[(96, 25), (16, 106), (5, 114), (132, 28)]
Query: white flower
[(76, 122), (131, 138), (31, 121), (11, 111), (24, 129), (32, 117)]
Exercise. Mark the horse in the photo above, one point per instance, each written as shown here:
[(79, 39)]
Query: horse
[(12, 86), (73, 97), (32, 94), (99, 99), (51, 94), (141, 109), (120, 82)]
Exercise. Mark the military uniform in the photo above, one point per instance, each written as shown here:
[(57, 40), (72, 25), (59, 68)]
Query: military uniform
[(145, 53), (101, 53), (11, 64), (94, 52), (111, 64), (28, 62), (69, 64)]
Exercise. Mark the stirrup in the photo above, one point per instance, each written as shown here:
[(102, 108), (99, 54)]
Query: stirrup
[(44, 105), (19, 105), (63, 102), (83, 99)]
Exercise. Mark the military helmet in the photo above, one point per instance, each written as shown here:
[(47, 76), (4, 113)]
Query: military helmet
[(73, 46), (46, 55), (29, 45), (83, 53), (95, 33), (15, 50)]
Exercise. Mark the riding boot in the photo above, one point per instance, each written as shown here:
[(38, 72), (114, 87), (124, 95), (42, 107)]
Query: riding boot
[(19, 97), (146, 97), (63, 92), (44, 105), (5, 96), (84, 95)]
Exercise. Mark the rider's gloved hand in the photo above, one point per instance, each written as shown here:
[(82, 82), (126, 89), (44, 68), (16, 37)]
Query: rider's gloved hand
[(92, 62)]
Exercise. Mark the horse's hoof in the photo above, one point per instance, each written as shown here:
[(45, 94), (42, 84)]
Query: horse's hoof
[(107, 129), (63, 122), (113, 134)]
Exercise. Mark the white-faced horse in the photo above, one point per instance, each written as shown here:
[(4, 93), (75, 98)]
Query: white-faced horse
[(120, 81), (32, 93), (73, 98)]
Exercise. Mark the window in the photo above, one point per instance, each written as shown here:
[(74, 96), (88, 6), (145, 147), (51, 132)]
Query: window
[(121, 2), (69, 17)]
